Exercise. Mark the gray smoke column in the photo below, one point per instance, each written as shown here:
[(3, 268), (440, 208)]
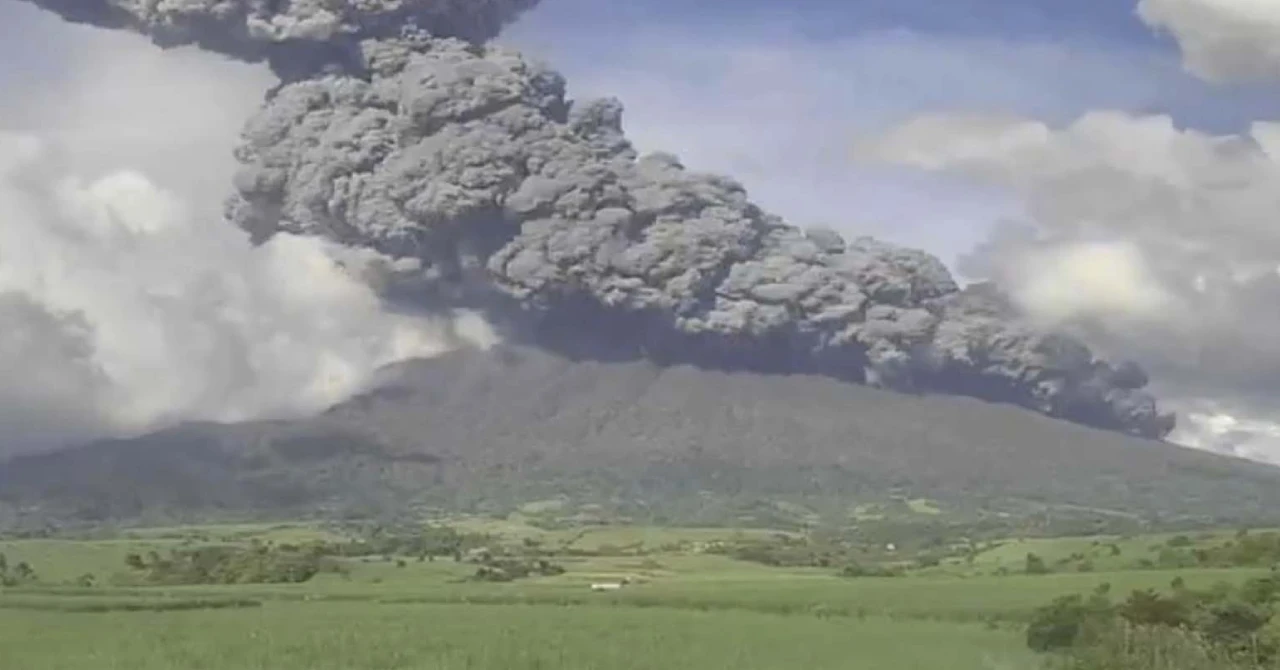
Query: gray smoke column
[(396, 128), (296, 37), (468, 161)]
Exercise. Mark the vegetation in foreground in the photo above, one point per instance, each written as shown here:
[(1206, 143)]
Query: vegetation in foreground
[(508, 637), (375, 595), (1225, 627)]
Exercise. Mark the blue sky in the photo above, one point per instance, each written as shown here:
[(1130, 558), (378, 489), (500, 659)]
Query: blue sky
[(775, 93), (1109, 19), (1105, 32)]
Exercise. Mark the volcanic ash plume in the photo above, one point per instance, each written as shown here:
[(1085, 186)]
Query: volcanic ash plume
[(464, 157), (295, 36), (397, 130)]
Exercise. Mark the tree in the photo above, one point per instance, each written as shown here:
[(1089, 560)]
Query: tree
[(23, 572), (1062, 623), (1232, 624), (1036, 566), (1148, 608), (1261, 590)]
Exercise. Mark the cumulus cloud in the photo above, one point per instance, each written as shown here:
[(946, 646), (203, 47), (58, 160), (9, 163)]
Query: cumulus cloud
[(1215, 428), (1086, 279), (128, 303), (1147, 238), (124, 310), (1221, 40), (1190, 277), (108, 100)]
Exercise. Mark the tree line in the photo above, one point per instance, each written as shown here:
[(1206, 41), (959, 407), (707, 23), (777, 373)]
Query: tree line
[(16, 574), (1220, 628)]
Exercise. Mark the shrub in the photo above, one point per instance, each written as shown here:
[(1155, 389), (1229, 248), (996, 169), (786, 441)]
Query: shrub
[(859, 570), (13, 575), (506, 570), (1064, 622), (257, 564), (1036, 565), (1222, 628)]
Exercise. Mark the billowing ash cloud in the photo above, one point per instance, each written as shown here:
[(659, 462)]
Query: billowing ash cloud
[(395, 130), (469, 157), (295, 36)]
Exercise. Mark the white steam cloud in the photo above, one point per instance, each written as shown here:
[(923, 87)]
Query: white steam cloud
[(127, 303), (1086, 279), (1221, 40), (1147, 239)]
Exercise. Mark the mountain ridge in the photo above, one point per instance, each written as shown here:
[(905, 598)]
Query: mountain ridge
[(492, 430)]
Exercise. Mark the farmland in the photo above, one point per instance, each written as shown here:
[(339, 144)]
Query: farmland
[(365, 635), (685, 604)]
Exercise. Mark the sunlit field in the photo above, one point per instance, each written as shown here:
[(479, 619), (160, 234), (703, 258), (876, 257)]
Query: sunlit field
[(681, 607), (503, 637)]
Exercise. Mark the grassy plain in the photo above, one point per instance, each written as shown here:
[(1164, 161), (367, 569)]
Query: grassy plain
[(685, 608), (370, 636)]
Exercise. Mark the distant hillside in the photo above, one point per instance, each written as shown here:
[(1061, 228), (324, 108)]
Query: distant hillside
[(490, 431)]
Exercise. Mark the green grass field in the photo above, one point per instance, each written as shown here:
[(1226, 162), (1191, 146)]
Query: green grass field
[(367, 636), (1012, 553), (684, 608)]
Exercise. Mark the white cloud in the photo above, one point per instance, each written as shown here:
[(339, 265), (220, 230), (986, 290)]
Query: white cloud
[(1087, 279), (126, 302), (1210, 427), (1221, 40), (1154, 241), (1112, 172), (171, 315), (109, 100), (778, 110)]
